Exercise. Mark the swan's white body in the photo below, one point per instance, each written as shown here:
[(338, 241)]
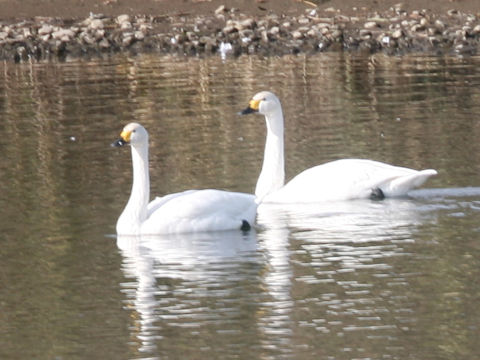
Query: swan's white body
[(188, 211), (337, 180), (348, 179)]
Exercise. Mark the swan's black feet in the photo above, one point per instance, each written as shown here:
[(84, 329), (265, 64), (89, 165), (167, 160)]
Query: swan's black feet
[(245, 226), (377, 194)]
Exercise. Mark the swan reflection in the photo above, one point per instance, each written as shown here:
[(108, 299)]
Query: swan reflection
[(331, 268), (355, 220), (167, 270), (184, 255)]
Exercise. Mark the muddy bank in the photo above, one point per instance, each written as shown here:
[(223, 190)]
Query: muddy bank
[(231, 32)]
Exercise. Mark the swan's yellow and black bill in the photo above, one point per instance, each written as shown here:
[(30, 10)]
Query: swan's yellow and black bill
[(252, 107), (119, 142), (124, 139)]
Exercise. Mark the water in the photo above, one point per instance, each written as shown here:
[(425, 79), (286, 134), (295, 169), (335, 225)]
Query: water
[(396, 279)]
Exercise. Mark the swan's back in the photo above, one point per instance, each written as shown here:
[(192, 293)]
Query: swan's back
[(200, 210), (349, 179)]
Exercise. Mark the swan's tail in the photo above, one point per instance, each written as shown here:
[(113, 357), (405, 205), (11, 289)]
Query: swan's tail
[(400, 186)]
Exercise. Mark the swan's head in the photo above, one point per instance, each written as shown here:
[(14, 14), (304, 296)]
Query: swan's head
[(134, 134), (264, 103)]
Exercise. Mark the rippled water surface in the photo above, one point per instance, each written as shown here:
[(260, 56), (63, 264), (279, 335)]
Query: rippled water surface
[(393, 279)]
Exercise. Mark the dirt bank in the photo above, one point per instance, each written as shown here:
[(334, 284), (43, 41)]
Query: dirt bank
[(79, 9)]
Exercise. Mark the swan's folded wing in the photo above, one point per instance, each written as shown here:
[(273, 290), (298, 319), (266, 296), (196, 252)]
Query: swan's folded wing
[(200, 210), (161, 200), (401, 185)]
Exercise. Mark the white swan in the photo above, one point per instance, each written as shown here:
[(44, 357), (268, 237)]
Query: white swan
[(188, 211), (337, 180)]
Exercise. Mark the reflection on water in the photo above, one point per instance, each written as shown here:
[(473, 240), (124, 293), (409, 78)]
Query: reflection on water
[(361, 279), (173, 273), (341, 278)]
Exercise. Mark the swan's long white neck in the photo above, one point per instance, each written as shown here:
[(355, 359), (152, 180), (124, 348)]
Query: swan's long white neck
[(272, 176), (135, 212)]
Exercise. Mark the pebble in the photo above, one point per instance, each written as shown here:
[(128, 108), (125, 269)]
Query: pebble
[(127, 39), (96, 24), (370, 25), (246, 24), (104, 44), (126, 25), (397, 34), (229, 29), (336, 34), (45, 29), (88, 39), (264, 36), (417, 28), (323, 25), (99, 34), (303, 21), (439, 25), (63, 34), (297, 34), (220, 10), (274, 30), (139, 35), (312, 33), (342, 18), (123, 18), (365, 34), (325, 31)]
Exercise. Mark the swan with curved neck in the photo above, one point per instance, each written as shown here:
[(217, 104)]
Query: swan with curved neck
[(336, 180), (188, 211)]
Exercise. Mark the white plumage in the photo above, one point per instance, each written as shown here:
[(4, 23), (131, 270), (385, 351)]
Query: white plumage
[(337, 180), (188, 211)]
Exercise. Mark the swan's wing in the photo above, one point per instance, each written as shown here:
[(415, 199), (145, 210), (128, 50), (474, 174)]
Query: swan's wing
[(159, 201), (349, 179), (401, 185), (200, 210)]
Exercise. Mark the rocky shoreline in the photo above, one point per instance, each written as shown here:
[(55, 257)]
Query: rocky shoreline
[(230, 33)]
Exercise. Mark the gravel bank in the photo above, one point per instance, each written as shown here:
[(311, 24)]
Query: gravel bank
[(228, 32)]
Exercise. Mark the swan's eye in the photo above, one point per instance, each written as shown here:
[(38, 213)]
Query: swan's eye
[(134, 131)]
